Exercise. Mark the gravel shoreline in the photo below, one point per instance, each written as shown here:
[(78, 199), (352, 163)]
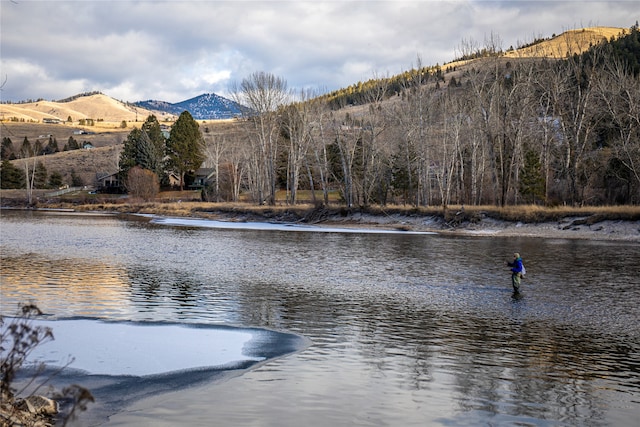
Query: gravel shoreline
[(567, 228)]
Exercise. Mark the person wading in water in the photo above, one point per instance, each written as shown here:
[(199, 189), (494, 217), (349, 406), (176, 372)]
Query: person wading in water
[(517, 271)]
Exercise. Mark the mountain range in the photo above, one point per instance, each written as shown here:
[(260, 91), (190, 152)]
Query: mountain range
[(102, 108)]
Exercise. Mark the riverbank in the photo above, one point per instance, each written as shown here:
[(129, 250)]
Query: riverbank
[(575, 225), (599, 223)]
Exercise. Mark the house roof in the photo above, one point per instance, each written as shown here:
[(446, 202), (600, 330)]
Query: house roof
[(205, 172), (103, 175)]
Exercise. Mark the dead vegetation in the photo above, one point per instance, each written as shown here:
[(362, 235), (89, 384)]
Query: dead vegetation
[(26, 406), (188, 204), (85, 163)]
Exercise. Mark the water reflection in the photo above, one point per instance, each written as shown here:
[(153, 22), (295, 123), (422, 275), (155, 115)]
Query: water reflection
[(93, 287), (406, 329)]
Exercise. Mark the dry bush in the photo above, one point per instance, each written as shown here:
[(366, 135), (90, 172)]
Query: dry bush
[(142, 183), (18, 338)]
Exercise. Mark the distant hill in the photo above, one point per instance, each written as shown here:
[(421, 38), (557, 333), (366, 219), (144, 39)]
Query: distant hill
[(103, 108), (96, 106), (100, 107), (567, 43), (208, 106), (555, 47)]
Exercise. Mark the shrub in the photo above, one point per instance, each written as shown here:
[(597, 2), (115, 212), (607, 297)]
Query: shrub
[(142, 183), (18, 338)]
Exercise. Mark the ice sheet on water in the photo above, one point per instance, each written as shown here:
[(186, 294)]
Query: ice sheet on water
[(139, 349), (207, 223)]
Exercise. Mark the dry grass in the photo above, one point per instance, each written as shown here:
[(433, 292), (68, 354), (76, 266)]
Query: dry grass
[(568, 43), (109, 111), (188, 204), (85, 163), (99, 135)]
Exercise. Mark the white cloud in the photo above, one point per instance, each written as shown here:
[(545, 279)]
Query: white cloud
[(174, 50)]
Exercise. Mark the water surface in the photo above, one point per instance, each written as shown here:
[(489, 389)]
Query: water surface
[(405, 329)]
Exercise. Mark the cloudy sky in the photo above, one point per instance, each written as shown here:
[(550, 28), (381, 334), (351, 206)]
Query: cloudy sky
[(175, 50)]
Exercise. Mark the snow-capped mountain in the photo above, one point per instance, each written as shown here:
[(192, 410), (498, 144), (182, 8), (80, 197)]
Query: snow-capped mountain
[(208, 106)]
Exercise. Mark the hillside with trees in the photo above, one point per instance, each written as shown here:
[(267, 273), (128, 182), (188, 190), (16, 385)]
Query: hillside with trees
[(499, 131), (496, 130)]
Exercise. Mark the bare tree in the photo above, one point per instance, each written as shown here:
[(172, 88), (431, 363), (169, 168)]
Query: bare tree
[(215, 146), (620, 94), (321, 137), (448, 170), (263, 94), (297, 123), (574, 104), (413, 121), (142, 183), (486, 116), (547, 124), (372, 154), (347, 138), (28, 155)]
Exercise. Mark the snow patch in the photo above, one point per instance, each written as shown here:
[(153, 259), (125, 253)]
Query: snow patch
[(138, 349), (207, 223)]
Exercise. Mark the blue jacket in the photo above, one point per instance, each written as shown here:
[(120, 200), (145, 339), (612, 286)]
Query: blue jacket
[(517, 265)]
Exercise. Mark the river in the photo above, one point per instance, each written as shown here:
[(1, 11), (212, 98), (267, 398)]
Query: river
[(399, 329)]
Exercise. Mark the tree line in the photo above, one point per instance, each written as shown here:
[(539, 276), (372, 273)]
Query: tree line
[(149, 159), (35, 175), (499, 131), (504, 131)]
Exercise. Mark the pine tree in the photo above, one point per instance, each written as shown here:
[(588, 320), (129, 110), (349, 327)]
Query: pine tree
[(76, 180), (26, 150), (72, 144), (40, 176), (145, 148), (156, 150), (55, 180), (185, 146), (52, 146), (531, 178), (7, 148), (11, 176)]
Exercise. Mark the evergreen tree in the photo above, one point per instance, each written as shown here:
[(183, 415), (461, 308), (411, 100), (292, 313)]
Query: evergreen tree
[(185, 146), (73, 144), (151, 126), (531, 179), (52, 146), (55, 180), (144, 147), (40, 176), (76, 180), (26, 150), (128, 156), (38, 148), (10, 176), (7, 149)]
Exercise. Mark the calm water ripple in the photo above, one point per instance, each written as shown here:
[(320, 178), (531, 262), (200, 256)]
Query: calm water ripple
[(406, 329)]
